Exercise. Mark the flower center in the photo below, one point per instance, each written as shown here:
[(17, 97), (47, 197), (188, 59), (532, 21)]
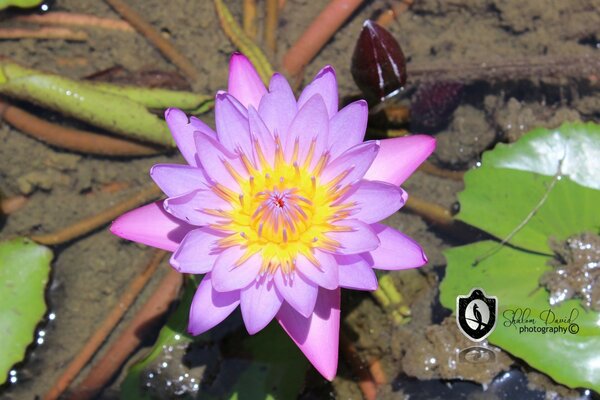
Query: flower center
[(282, 209), (281, 215)]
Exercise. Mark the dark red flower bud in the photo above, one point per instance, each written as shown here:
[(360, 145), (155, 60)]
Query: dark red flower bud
[(378, 64)]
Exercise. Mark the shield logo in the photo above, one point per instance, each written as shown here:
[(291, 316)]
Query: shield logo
[(476, 314)]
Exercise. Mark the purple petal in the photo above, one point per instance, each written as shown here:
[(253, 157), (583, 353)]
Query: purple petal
[(311, 123), (317, 336), (298, 292), (232, 125), (352, 164), (278, 108), (375, 200), (209, 307), (356, 273), (183, 130), (326, 275), (398, 158), (197, 252), (396, 251), (175, 180), (244, 82), (191, 207), (359, 237), (212, 156), (347, 128), (260, 302), (260, 132), (228, 276), (152, 226), (325, 85)]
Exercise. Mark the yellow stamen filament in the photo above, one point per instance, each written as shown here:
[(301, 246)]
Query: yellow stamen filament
[(282, 209)]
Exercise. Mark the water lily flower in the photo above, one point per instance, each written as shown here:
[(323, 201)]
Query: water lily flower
[(280, 207)]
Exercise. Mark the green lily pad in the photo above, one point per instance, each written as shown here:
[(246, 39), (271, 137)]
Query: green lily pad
[(24, 270), (498, 200), (576, 144), (517, 195)]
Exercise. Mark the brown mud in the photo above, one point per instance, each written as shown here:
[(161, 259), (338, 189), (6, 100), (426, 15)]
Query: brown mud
[(90, 273)]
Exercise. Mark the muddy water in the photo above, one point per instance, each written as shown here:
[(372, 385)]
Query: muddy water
[(91, 273)]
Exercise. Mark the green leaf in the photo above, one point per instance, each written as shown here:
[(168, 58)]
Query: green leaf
[(24, 270), (114, 112), (19, 3), (498, 200), (576, 144), (512, 276)]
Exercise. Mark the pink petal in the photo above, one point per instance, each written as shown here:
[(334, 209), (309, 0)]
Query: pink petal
[(375, 200), (228, 276), (244, 82), (191, 207), (197, 252), (232, 125), (326, 275), (297, 291), (358, 239), (175, 180), (209, 307), (151, 225), (183, 130), (317, 336), (347, 128), (259, 132), (396, 251), (398, 158), (260, 302), (278, 108), (356, 273), (354, 162), (311, 123), (212, 156), (325, 85)]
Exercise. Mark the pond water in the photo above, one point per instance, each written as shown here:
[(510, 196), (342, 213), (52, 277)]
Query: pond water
[(517, 65)]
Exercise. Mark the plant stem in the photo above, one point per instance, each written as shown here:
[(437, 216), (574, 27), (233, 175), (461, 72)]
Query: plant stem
[(511, 70), (366, 383), (434, 170), (43, 33), (154, 37), (74, 19), (249, 18), (70, 138), (271, 23), (318, 34), (89, 224), (431, 212), (394, 10)]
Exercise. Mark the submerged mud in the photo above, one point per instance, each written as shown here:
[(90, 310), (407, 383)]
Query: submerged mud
[(576, 272)]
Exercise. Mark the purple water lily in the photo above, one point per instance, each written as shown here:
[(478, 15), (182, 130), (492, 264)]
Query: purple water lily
[(279, 208)]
